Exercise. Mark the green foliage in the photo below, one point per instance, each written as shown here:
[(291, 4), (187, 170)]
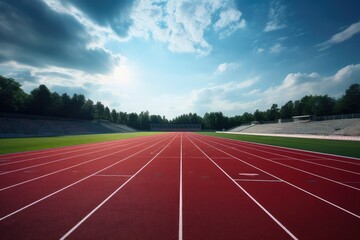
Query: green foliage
[(42, 101)]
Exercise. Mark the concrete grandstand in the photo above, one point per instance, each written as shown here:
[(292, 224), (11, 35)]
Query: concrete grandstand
[(335, 127), (16, 125)]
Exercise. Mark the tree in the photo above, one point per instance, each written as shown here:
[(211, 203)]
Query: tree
[(12, 97), (287, 111), (260, 116), (99, 111), (144, 120), (40, 102), (114, 116), (350, 102), (107, 114), (133, 120), (88, 110)]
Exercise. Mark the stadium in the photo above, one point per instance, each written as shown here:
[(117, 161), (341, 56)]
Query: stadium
[(179, 120)]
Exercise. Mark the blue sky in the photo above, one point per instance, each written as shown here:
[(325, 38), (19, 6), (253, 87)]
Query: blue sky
[(180, 56)]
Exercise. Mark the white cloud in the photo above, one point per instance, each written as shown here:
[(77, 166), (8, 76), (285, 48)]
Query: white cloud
[(223, 67), (277, 48), (342, 36), (297, 85), (221, 97), (276, 17), (229, 22), (259, 50), (238, 97), (182, 24)]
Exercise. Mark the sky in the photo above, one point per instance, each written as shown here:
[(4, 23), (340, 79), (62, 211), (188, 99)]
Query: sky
[(180, 56)]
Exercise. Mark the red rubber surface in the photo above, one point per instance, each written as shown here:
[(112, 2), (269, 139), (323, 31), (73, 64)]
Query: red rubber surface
[(178, 186)]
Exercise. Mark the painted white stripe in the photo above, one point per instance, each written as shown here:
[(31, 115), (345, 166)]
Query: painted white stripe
[(291, 167), (64, 169), (288, 149), (250, 196), (74, 183), (296, 159), (111, 195), (257, 180), (181, 195), (58, 160), (248, 174), (303, 190), (111, 175)]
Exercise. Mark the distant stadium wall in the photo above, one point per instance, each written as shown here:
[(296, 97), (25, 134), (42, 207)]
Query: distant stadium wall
[(172, 127)]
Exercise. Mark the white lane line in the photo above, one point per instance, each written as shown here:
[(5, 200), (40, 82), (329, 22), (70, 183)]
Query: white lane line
[(297, 159), (249, 195), (257, 180), (112, 194), (59, 160), (291, 167), (45, 156), (299, 188), (64, 169), (298, 151), (248, 174), (111, 175), (181, 195), (74, 183), (57, 149)]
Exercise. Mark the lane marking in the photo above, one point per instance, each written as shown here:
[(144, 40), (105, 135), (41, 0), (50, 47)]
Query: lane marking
[(64, 169), (295, 168), (249, 195), (74, 183), (297, 159), (181, 194), (257, 180), (59, 160), (111, 175), (292, 150), (112, 194), (248, 174), (303, 190)]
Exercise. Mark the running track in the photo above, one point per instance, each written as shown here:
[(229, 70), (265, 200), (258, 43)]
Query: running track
[(178, 186)]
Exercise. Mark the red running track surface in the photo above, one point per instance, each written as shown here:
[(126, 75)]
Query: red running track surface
[(178, 186)]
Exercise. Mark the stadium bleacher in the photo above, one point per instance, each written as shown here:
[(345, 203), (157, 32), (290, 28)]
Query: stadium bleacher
[(22, 126), (344, 127)]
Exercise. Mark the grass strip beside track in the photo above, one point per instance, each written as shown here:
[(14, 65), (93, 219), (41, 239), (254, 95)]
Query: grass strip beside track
[(12, 145), (338, 147)]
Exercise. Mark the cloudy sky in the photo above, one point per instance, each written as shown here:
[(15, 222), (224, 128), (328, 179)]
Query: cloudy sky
[(180, 56)]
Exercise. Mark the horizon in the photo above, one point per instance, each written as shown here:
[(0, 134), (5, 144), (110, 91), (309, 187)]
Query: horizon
[(177, 57)]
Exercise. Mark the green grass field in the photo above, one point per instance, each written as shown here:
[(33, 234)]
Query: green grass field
[(10, 145), (344, 148)]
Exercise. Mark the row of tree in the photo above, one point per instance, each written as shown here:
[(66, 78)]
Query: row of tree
[(41, 101)]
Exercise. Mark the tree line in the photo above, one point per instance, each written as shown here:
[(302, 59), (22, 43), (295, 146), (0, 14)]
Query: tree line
[(41, 101)]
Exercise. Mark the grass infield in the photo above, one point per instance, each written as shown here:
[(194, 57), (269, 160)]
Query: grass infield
[(338, 147), (11, 145)]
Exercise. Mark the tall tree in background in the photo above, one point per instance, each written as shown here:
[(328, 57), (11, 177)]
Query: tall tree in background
[(12, 97), (350, 102), (287, 111), (40, 100)]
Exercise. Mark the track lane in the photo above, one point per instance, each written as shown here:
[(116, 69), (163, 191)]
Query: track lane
[(331, 158), (305, 215), (215, 208), (52, 218), (144, 207), (34, 173), (49, 151), (42, 189), (345, 196)]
